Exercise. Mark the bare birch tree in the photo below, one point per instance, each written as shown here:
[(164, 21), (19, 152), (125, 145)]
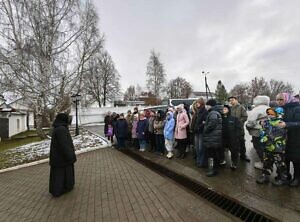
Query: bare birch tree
[(179, 88), (40, 57), (130, 93), (278, 86), (258, 86), (156, 74), (103, 80), (241, 92)]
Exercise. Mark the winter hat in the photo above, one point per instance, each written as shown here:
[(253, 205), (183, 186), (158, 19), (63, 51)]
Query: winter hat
[(180, 107), (62, 119), (232, 97), (161, 113), (170, 109), (271, 112), (211, 102), (261, 100), (279, 111), (228, 107)]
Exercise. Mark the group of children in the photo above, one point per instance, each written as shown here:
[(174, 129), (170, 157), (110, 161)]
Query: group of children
[(161, 129)]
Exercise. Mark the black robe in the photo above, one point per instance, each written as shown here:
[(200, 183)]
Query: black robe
[(62, 158)]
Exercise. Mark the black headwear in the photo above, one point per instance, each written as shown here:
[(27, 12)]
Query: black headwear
[(211, 102), (228, 107), (61, 119), (232, 97)]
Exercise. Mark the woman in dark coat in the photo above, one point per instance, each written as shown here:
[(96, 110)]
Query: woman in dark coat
[(108, 127), (197, 128), (121, 131), (212, 137), (62, 157), (231, 131), (291, 122)]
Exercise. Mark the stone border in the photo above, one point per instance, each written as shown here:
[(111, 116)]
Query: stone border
[(78, 152)]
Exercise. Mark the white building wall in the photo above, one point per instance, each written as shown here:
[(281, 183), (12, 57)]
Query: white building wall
[(13, 124), (31, 120), (96, 114)]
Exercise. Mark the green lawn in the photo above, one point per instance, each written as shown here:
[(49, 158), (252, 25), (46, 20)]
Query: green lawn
[(12, 143), (20, 139)]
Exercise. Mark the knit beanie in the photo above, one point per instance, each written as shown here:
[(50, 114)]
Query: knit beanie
[(211, 102)]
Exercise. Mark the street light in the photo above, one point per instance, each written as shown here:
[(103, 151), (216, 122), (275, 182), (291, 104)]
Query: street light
[(75, 99), (207, 90)]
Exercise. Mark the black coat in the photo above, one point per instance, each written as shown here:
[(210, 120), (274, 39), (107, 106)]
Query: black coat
[(201, 116), (231, 130), (62, 151), (212, 133), (292, 119), (121, 128)]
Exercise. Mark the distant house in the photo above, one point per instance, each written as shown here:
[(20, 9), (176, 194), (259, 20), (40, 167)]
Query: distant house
[(197, 94), (12, 121), (15, 117), (22, 106)]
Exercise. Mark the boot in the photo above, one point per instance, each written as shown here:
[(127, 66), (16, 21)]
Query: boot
[(281, 179), (295, 183), (170, 155), (263, 179), (233, 166), (211, 168), (183, 155), (222, 163), (280, 182), (244, 158)]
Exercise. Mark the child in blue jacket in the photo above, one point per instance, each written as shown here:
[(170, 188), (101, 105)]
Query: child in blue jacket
[(169, 134)]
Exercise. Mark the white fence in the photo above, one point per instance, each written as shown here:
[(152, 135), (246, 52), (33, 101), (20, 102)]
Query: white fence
[(96, 115)]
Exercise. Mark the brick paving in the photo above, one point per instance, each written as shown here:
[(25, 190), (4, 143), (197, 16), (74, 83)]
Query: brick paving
[(109, 187)]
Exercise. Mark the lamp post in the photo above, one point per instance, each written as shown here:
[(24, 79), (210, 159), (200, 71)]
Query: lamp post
[(75, 99), (207, 90)]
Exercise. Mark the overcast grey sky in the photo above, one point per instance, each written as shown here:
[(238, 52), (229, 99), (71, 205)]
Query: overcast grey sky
[(234, 40)]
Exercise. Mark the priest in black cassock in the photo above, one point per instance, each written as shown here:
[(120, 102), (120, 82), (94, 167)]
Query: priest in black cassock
[(62, 157)]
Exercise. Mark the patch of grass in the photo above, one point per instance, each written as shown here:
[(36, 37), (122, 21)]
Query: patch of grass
[(29, 133), (12, 143), (20, 139)]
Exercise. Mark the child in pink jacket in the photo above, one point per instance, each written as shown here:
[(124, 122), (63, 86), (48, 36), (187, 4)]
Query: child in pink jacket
[(182, 121)]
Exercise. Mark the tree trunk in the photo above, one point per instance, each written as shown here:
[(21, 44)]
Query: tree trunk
[(39, 127), (104, 97)]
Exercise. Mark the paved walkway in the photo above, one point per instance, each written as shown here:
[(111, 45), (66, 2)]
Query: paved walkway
[(109, 187), (282, 203)]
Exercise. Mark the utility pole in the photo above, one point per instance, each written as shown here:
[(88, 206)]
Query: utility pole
[(207, 90)]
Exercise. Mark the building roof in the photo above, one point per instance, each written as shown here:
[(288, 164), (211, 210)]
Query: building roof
[(199, 93)]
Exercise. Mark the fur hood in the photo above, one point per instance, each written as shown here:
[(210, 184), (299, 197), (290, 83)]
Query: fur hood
[(257, 114), (261, 100)]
